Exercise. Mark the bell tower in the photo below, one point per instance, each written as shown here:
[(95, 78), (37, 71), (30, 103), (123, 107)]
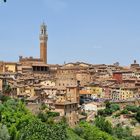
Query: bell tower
[(43, 43)]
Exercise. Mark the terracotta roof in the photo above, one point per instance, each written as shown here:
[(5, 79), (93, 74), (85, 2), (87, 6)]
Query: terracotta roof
[(32, 98), (83, 92), (48, 87), (65, 103), (71, 86)]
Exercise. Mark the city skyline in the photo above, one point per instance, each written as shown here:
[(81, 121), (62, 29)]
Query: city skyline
[(92, 32)]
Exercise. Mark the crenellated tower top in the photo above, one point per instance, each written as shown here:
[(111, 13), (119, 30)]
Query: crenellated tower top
[(43, 32)]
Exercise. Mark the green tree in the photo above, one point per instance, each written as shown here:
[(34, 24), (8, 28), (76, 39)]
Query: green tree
[(110, 108), (122, 133), (107, 104), (4, 134), (90, 132), (22, 124), (114, 107), (14, 115), (103, 124), (138, 116), (132, 108), (37, 130), (124, 111), (72, 135)]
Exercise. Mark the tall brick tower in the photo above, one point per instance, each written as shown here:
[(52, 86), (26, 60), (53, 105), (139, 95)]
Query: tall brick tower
[(43, 43)]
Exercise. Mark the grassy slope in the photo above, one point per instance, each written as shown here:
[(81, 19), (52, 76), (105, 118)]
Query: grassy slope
[(72, 135)]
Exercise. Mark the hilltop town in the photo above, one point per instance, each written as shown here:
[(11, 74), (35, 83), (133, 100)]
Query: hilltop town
[(72, 88)]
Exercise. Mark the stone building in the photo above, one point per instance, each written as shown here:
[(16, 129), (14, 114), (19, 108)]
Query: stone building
[(8, 67), (43, 43), (69, 74), (69, 110), (72, 93), (134, 65), (36, 65), (84, 77), (66, 76)]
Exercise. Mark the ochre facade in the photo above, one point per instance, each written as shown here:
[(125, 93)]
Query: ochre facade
[(43, 51), (43, 43)]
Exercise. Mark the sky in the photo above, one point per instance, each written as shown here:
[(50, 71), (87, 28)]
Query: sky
[(91, 31)]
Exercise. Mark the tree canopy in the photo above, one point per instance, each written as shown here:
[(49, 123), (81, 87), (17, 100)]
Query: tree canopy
[(22, 124)]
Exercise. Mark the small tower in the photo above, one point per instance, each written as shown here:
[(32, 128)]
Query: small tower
[(43, 43)]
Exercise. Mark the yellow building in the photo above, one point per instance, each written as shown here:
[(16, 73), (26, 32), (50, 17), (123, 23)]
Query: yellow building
[(10, 67), (22, 90), (29, 90), (127, 93), (47, 83), (124, 93), (95, 91)]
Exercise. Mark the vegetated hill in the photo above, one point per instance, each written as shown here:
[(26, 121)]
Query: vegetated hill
[(72, 135)]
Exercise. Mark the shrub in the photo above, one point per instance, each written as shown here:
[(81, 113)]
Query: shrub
[(138, 116), (132, 108), (125, 111), (103, 124)]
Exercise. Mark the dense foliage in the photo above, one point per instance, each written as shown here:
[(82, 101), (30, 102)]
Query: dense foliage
[(122, 133), (132, 108), (117, 131), (23, 125), (17, 123), (103, 124), (4, 134), (110, 108), (90, 132), (38, 130), (47, 116), (72, 135), (138, 116)]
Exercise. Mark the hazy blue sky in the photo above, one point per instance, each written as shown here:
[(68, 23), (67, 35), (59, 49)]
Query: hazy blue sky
[(93, 31)]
